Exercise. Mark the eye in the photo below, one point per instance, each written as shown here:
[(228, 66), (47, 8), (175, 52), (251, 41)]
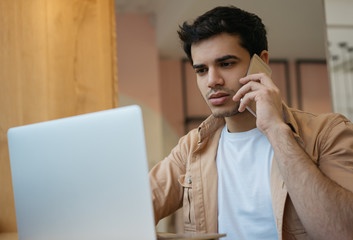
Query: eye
[(201, 70), (226, 64)]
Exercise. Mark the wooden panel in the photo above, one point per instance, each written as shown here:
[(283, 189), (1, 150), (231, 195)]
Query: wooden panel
[(280, 77), (195, 104), (57, 59), (314, 92)]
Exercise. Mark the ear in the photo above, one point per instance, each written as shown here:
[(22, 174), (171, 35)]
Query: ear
[(265, 56)]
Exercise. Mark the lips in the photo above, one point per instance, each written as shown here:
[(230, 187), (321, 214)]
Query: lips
[(219, 98)]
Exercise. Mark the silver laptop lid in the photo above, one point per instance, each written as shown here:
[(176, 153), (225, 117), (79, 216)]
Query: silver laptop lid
[(82, 177)]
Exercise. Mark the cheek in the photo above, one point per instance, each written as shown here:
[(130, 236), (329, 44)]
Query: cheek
[(201, 86), (234, 79), (203, 89), (237, 84)]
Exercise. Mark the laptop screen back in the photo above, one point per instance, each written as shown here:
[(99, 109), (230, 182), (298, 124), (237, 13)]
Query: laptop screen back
[(82, 177)]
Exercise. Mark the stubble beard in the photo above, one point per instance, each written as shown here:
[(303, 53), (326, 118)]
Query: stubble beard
[(226, 114)]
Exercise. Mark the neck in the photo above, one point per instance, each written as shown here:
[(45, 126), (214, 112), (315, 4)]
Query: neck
[(241, 122)]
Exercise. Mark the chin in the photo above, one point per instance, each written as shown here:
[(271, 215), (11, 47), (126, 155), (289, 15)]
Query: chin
[(224, 113)]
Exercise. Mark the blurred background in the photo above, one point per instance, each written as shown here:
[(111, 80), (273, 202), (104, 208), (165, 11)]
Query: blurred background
[(61, 58)]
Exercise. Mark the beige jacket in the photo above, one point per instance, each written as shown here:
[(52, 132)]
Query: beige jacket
[(188, 176)]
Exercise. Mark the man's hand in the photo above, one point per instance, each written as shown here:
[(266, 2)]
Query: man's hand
[(261, 89)]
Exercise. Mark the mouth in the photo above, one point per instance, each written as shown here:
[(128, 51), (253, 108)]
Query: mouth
[(219, 98)]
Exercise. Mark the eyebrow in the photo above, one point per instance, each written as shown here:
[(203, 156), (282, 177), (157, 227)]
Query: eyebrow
[(197, 66), (221, 59), (226, 57)]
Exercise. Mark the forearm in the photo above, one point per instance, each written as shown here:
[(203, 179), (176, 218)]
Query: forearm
[(324, 207)]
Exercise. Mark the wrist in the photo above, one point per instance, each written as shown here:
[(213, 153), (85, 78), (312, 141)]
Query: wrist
[(276, 130)]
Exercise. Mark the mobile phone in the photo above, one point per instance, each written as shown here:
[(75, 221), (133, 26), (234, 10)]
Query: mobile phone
[(257, 65)]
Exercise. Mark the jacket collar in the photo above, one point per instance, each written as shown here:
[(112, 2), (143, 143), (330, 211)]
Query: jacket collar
[(289, 118), (209, 127)]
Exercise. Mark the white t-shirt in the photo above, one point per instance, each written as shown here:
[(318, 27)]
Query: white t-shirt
[(244, 196)]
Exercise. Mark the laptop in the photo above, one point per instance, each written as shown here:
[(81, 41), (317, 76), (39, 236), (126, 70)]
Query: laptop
[(84, 177)]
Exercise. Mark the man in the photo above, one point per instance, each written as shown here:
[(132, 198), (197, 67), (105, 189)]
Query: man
[(285, 174)]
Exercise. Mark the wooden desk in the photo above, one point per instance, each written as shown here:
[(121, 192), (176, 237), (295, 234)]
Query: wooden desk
[(189, 236), (161, 236)]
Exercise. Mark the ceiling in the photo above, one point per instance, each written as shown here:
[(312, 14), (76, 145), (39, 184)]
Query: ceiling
[(296, 29)]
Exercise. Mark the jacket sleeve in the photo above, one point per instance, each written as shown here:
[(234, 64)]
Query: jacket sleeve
[(336, 157)]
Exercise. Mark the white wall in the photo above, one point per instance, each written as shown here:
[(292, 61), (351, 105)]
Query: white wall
[(340, 51)]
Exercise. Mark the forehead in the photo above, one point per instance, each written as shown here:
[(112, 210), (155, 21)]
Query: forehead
[(217, 46)]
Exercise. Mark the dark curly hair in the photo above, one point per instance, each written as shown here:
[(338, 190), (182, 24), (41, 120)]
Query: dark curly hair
[(232, 20)]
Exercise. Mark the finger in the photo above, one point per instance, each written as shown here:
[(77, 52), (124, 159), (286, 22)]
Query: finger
[(249, 87), (252, 77), (246, 100), (258, 77)]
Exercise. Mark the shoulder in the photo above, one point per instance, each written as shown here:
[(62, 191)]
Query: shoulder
[(320, 124), (326, 136)]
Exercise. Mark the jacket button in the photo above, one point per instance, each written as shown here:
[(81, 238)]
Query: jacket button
[(189, 180)]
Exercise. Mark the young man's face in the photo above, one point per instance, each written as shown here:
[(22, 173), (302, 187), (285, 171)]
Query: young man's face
[(219, 63)]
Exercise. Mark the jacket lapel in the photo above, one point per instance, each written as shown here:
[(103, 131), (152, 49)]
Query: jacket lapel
[(206, 171)]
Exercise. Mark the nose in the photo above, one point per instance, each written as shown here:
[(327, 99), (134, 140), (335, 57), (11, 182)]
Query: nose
[(214, 78)]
